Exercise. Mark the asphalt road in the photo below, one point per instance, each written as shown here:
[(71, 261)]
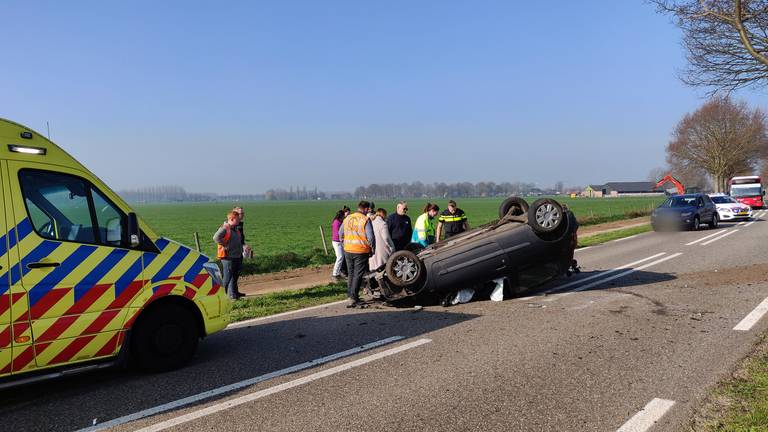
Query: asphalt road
[(632, 343)]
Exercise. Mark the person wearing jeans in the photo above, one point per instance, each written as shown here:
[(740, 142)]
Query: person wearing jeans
[(338, 247), (230, 252), (356, 234)]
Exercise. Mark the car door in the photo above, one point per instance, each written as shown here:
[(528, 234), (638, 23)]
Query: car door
[(6, 296), (77, 275), (480, 260)]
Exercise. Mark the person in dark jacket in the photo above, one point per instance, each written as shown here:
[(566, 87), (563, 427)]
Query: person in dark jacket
[(452, 221), (399, 225)]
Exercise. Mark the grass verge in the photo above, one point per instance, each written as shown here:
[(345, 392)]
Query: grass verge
[(739, 403), (613, 235), (274, 303)]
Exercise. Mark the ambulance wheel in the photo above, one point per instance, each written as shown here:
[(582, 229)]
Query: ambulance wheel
[(164, 338), (516, 205)]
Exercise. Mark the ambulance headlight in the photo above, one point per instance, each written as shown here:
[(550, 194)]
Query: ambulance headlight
[(214, 272)]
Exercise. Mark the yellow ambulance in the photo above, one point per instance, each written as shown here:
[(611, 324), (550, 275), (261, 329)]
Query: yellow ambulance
[(84, 282)]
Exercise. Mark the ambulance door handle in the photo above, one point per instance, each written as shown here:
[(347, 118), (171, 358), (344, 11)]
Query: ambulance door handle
[(36, 265)]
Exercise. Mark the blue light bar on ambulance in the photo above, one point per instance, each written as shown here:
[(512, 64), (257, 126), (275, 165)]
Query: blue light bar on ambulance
[(26, 150)]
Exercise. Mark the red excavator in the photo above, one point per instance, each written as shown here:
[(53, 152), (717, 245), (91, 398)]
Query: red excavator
[(668, 178)]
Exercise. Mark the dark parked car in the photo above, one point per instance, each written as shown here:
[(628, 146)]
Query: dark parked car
[(526, 246), (685, 211)]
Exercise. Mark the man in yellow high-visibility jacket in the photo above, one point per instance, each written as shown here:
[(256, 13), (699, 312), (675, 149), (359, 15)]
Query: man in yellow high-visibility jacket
[(356, 235)]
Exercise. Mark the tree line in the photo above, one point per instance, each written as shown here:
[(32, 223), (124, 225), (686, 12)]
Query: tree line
[(453, 190)]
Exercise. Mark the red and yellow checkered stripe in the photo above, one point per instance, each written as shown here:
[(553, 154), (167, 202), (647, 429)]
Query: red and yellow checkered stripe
[(81, 309)]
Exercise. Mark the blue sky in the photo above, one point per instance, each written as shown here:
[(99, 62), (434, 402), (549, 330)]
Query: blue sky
[(246, 96)]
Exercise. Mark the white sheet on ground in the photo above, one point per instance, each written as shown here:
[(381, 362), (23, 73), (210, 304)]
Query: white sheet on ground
[(463, 296), (498, 291)]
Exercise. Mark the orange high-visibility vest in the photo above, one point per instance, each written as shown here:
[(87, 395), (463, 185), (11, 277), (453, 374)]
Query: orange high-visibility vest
[(355, 240), (221, 251)]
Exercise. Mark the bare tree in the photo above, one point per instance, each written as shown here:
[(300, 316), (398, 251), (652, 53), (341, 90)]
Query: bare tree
[(722, 138), (726, 41)]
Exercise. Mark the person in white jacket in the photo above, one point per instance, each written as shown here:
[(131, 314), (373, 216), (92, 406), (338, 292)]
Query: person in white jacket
[(384, 244)]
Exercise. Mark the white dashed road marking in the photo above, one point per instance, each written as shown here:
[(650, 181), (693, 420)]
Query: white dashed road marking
[(721, 237), (750, 320), (595, 276), (703, 238), (648, 416), (213, 409), (237, 386)]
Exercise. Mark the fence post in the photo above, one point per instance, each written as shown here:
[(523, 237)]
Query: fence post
[(322, 237), (197, 242)]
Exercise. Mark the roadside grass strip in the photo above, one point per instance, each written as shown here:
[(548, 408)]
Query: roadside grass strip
[(213, 409), (648, 416), (245, 383), (247, 323), (622, 234), (283, 301), (750, 320), (595, 276), (721, 237)]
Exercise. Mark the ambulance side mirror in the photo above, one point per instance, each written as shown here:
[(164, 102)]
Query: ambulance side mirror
[(133, 230)]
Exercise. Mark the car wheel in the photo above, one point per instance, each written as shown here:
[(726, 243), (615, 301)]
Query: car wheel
[(516, 205), (404, 269), (164, 338), (696, 224), (715, 221), (545, 216)]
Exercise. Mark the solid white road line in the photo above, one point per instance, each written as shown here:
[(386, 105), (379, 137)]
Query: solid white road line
[(610, 278), (213, 409), (255, 320), (648, 416), (704, 238), (627, 238), (584, 248), (595, 276), (238, 385), (721, 237), (753, 317)]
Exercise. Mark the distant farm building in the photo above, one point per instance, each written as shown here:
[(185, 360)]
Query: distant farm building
[(619, 189)]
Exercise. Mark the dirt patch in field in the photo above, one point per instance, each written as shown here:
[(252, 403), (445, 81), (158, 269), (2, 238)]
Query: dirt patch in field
[(590, 230), (295, 279)]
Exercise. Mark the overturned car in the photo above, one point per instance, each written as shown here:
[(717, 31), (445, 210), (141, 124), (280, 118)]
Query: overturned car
[(527, 246)]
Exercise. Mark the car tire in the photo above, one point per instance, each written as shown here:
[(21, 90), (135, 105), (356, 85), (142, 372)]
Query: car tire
[(715, 221), (545, 215), (517, 205), (696, 224), (164, 338), (404, 269)]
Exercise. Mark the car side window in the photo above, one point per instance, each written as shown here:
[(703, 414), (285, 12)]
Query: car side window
[(700, 202), (109, 220), (58, 206), (68, 208)]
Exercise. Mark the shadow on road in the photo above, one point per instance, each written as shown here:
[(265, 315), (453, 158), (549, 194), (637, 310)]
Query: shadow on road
[(597, 280), (224, 358)]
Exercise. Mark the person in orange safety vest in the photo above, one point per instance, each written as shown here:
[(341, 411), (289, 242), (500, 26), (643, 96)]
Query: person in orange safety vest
[(230, 251), (357, 238)]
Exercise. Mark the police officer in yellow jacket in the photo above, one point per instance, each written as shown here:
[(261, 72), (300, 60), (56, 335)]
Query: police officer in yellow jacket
[(452, 221), (356, 235)]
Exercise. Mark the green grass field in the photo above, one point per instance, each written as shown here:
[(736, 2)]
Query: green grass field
[(288, 232)]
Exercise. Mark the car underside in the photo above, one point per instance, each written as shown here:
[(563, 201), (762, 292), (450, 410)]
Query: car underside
[(527, 247)]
